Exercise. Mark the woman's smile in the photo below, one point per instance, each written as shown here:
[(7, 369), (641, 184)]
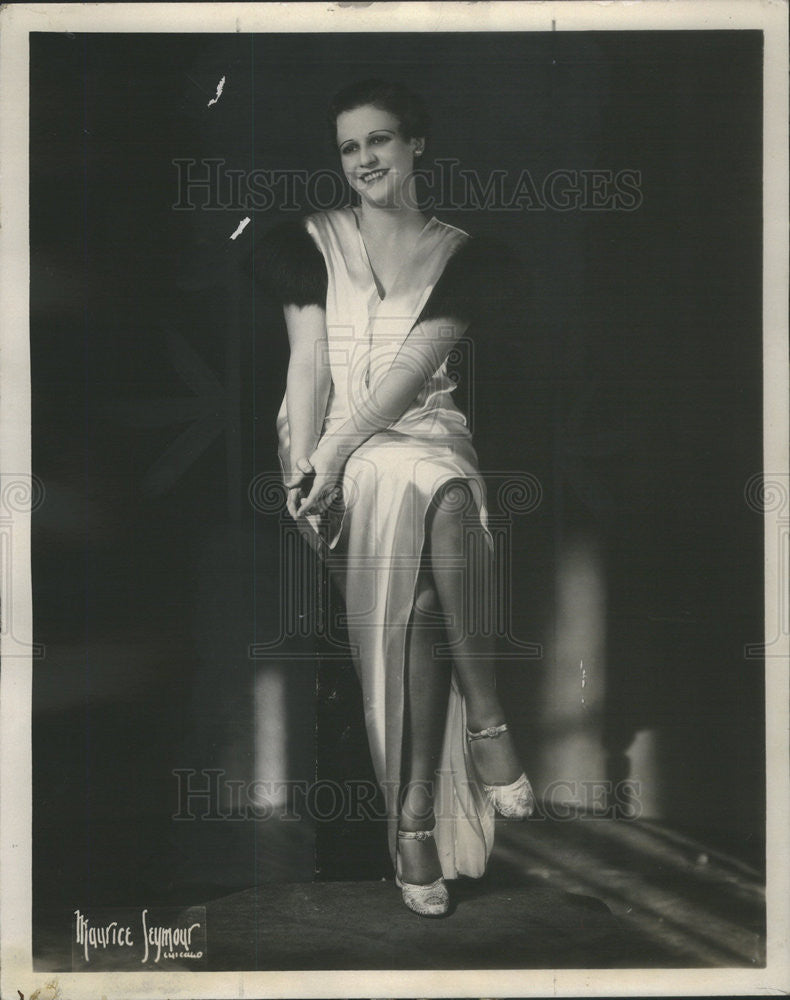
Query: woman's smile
[(371, 176)]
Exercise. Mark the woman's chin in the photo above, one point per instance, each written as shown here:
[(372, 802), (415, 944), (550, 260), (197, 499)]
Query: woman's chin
[(381, 195)]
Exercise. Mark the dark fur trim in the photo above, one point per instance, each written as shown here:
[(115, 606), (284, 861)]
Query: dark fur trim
[(291, 266), (476, 282)]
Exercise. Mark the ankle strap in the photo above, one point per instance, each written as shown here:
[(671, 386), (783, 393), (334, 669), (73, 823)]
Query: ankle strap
[(490, 733), (415, 834)]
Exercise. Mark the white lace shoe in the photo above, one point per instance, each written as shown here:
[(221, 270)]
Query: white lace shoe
[(516, 800), (430, 900)]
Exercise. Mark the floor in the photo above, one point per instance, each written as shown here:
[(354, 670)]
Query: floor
[(678, 902), (584, 893)]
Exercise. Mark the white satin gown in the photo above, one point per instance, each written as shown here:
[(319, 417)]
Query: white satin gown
[(378, 534)]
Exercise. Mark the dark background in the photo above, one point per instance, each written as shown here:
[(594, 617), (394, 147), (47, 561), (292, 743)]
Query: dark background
[(630, 388)]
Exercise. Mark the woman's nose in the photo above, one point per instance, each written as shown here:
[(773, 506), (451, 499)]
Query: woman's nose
[(368, 156)]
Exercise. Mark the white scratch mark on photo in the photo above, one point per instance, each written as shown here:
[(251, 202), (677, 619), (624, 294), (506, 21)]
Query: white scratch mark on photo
[(220, 87), (241, 227)]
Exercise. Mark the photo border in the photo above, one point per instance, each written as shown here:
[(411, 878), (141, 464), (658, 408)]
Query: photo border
[(16, 22)]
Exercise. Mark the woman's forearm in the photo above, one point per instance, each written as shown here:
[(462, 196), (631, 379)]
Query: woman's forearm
[(422, 354), (309, 379), (307, 392)]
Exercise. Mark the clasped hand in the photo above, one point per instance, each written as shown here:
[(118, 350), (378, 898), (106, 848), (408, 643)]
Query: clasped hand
[(325, 468)]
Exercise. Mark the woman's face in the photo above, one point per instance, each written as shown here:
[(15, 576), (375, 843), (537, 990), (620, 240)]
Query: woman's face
[(376, 159)]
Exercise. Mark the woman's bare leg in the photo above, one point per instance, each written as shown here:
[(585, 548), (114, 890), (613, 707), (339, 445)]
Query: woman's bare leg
[(427, 689), (473, 651), (426, 695)]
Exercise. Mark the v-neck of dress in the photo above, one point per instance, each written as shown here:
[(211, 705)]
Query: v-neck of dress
[(369, 266)]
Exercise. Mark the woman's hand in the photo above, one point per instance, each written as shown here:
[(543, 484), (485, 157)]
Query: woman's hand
[(298, 484), (328, 462)]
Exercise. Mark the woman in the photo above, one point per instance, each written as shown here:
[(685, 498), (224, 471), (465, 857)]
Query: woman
[(382, 475)]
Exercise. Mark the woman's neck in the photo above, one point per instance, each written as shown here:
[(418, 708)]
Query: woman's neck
[(389, 220)]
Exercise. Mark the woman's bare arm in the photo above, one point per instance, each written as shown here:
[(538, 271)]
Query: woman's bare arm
[(308, 384), (422, 354)]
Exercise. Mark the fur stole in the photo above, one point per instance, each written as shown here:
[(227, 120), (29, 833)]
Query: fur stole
[(291, 266), (477, 279), (481, 278)]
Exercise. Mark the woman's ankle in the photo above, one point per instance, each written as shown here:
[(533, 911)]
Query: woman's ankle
[(495, 757), (418, 859), (417, 807), (483, 717)]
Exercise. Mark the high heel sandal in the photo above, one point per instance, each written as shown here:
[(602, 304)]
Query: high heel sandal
[(430, 900), (516, 800)]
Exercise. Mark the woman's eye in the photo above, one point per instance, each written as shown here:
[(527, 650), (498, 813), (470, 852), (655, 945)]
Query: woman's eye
[(376, 140)]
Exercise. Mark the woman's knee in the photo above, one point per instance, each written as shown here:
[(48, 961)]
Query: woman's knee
[(451, 506), (453, 497)]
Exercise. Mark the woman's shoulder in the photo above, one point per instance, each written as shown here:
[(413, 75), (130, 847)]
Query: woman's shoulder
[(472, 252), (450, 230), (329, 219), (311, 222), (475, 247)]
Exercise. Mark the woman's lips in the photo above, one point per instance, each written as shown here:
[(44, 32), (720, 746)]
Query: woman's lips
[(374, 175)]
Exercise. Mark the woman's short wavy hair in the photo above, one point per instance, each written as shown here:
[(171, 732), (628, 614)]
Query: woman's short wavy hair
[(406, 106)]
